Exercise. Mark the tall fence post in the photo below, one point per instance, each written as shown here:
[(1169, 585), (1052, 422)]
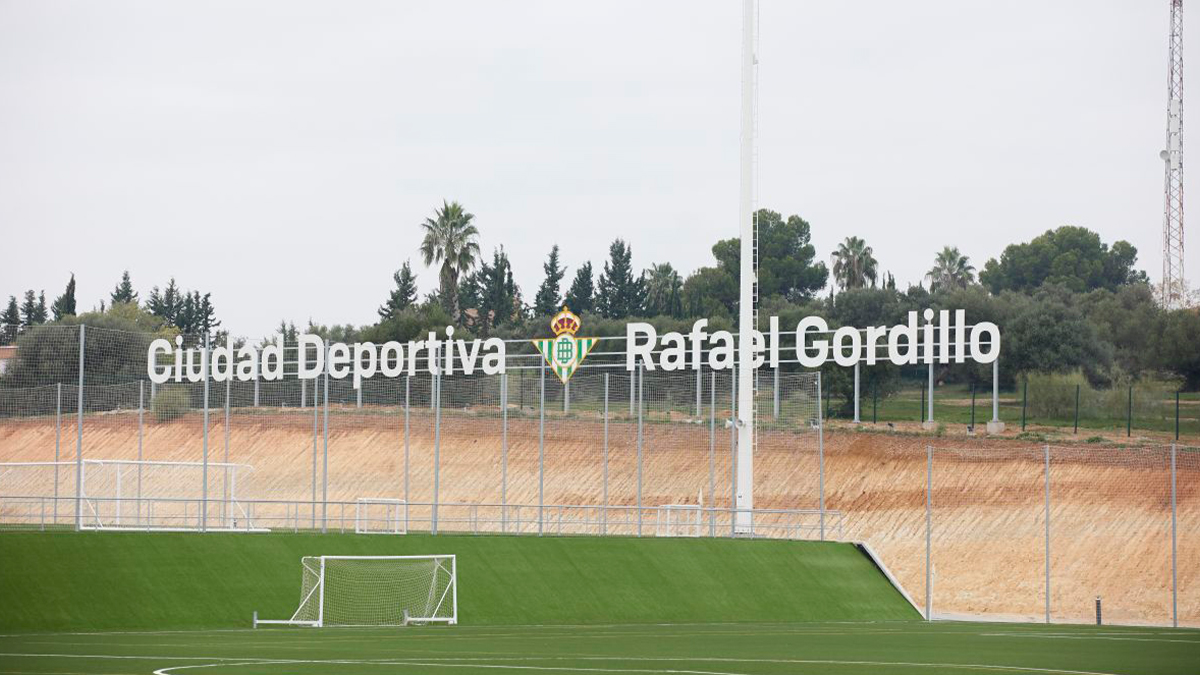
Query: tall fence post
[(995, 423), (874, 403), (775, 397), (712, 454), (1129, 414), (437, 439), (604, 515), (303, 393), (928, 533), (541, 447), (1047, 477), (567, 396), (141, 409), (57, 438), (79, 436), (225, 508), (504, 452), (1077, 409), (733, 451), (325, 450), (1174, 569), (820, 459), (1176, 415), (204, 361), (698, 393), (1024, 401), (640, 378), (929, 420), (316, 401), (407, 409), (857, 419)]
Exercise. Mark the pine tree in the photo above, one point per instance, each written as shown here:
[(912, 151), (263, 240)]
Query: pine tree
[(580, 296), (619, 294), (167, 304), (64, 305), (29, 309), (10, 321), (124, 291), (499, 297), (40, 316), (546, 302), (404, 295)]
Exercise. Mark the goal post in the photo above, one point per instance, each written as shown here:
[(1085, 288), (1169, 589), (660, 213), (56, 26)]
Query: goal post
[(380, 516), (375, 591)]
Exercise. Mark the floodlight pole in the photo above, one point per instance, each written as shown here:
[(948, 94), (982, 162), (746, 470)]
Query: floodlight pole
[(745, 361)]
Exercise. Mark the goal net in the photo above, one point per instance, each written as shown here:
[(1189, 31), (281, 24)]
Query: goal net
[(380, 516), (376, 591), (678, 520)]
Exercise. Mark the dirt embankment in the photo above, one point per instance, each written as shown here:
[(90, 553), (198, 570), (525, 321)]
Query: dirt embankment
[(1110, 515)]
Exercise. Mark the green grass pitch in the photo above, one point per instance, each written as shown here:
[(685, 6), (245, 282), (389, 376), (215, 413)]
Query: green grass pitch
[(180, 604)]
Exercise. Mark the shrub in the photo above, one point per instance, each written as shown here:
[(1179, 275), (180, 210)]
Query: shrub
[(170, 403)]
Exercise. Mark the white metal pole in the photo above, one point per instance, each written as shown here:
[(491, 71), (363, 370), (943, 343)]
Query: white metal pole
[(712, 454), (604, 515), (639, 373), (733, 440), (324, 463), (929, 408), (567, 397), (928, 534), (745, 372), (141, 409), (79, 436), (316, 401), (321, 597), (204, 470), (57, 438), (541, 446), (820, 458), (1174, 569), (504, 452), (437, 439), (407, 407), (225, 512), (775, 401), (699, 386), (1047, 472)]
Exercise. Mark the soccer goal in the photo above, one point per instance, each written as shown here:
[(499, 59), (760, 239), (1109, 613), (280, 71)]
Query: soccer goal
[(678, 520), (375, 591), (380, 516)]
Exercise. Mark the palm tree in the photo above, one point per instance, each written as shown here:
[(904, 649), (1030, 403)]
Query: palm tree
[(664, 290), (854, 264), (951, 269), (452, 240)]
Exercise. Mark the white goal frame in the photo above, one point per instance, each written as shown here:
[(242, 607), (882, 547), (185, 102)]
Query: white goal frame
[(319, 590), (394, 521), (679, 520)]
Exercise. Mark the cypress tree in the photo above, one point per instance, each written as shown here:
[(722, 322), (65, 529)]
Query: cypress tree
[(546, 302), (64, 305), (580, 296)]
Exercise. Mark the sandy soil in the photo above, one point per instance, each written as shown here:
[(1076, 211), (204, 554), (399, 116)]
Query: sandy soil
[(1110, 516)]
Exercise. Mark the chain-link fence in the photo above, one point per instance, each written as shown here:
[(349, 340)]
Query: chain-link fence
[(1031, 533), (971, 527), (614, 451)]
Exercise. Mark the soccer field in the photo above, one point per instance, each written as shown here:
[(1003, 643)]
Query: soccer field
[(901, 648)]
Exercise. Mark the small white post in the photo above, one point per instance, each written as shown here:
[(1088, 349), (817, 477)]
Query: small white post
[(995, 426)]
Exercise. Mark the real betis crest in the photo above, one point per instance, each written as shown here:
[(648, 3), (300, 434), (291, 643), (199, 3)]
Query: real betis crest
[(564, 352)]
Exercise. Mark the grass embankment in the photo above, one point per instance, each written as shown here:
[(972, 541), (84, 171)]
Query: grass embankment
[(111, 581)]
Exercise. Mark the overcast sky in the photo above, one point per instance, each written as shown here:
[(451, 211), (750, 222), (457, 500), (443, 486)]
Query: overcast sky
[(282, 154)]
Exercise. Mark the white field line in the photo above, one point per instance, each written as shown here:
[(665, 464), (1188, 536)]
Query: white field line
[(216, 662)]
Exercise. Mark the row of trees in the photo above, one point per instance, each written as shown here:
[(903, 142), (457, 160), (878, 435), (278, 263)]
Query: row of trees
[(1065, 300), (189, 312)]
